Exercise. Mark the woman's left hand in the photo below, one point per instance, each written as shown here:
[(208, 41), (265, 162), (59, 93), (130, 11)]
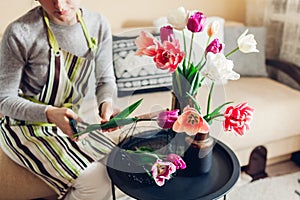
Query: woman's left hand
[(106, 113)]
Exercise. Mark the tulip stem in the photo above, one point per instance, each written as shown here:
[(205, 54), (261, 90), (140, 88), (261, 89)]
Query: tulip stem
[(209, 97), (232, 52), (184, 42), (191, 49)]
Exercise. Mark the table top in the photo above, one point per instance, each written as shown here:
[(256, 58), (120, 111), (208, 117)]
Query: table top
[(133, 181)]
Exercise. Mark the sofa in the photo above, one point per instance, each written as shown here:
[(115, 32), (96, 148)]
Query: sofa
[(275, 124)]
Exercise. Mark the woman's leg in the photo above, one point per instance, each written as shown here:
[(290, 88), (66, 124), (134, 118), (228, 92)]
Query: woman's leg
[(92, 184)]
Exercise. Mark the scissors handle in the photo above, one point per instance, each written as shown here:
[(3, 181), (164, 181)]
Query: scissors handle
[(73, 125)]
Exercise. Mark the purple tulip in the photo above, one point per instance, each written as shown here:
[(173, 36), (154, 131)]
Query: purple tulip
[(176, 160), (166, 119), (215, 46), (166, 33), (196, 22)]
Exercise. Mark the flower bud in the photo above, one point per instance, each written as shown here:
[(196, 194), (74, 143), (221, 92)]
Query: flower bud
[(215, 47), (247, 43), (178, 18), (166, 33), (196, 22), (213, 28)]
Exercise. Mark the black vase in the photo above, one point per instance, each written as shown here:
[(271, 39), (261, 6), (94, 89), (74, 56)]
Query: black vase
[(198, 156)]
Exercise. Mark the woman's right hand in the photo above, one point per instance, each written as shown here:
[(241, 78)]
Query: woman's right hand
[(60, 117)]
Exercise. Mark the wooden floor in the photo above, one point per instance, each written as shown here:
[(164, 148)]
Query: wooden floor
[(282, 168)]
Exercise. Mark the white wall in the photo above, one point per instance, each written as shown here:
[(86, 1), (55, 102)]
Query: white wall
[(124, 13)]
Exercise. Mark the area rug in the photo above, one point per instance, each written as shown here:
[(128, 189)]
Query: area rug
[(286, 187)]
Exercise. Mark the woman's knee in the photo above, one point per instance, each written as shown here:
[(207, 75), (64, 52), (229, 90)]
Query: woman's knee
[(92, 184)]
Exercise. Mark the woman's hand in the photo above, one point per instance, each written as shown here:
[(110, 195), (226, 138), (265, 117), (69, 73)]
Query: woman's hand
[(106, 113), (60, 117)]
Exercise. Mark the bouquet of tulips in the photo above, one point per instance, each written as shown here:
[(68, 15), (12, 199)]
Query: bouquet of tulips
[(188, 77)]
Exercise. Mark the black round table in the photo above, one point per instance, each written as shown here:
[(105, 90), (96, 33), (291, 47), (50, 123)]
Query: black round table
[(223, 175)]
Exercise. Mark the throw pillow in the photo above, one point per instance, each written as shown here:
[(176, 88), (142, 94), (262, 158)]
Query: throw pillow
[(251, 64), (136, 74)]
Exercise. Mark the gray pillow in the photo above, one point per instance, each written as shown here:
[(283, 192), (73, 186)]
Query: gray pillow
[(136, 74), (250, 64)]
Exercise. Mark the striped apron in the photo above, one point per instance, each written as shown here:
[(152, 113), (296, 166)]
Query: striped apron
[(42, 148)]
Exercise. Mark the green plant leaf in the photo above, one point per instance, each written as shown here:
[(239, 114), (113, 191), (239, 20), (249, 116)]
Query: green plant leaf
[(196, 104), (117, 120), (216, 113), (127, 111), (217, 110), (114, 122)]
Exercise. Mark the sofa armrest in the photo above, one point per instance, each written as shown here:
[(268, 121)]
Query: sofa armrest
[(289, 69)]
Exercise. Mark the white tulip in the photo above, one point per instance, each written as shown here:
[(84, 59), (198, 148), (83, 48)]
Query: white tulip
[(178, 18), (218, 68), (247, 43)]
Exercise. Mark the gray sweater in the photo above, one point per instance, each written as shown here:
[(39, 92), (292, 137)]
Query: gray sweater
[(24, 60)]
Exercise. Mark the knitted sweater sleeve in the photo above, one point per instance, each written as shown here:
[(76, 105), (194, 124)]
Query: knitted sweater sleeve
[(13, 53)]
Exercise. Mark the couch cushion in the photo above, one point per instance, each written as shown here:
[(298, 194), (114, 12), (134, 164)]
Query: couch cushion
[(136, 74), (18, 183), (276, 115), (251, 64)]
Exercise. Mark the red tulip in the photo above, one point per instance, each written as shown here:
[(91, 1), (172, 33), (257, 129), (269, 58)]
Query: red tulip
[(238, 118), (168, 56)]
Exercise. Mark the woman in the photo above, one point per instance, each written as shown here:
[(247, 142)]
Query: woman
[(46, 58)]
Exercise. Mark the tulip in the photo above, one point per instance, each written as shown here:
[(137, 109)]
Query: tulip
[(166, 33), (214, 47), (176, 160), (161, 171), (213, 28), (196, 22), (238, 118), (190, 122), (218, 67), (178, 18), (247, 43), (146, 44), (166, 119), (168, 56)]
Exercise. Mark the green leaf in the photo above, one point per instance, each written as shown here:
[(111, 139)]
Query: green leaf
[(195, 84), (127, 111), (114, 122), (217, 110), (215, 113), (197, 106), (117, 120)]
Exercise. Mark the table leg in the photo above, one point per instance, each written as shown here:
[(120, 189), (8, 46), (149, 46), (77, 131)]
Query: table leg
[(113, 192)]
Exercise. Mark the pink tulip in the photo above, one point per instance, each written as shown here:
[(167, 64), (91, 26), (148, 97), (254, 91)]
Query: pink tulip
[(238, 118), (146, 44), (168, 56), (166, 33), (196, 22), (215, 47), (166, 119), (161, 171), (190, 122), (176, 160)]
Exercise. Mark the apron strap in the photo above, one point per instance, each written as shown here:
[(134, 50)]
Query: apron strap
[(92, 43), (52, 40)]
